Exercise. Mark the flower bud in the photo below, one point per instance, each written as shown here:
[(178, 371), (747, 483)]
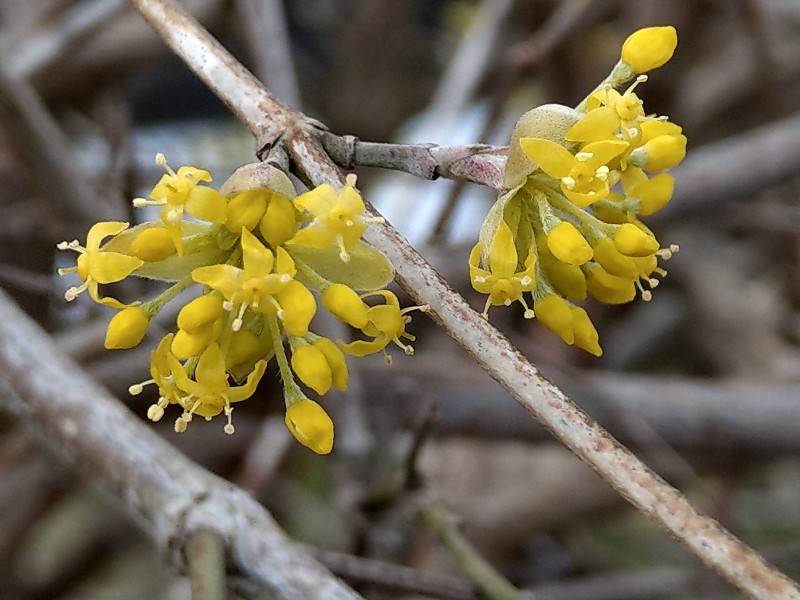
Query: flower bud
[(555, 313), (311, 366), (310, 425), (585, 334), (336, 361), (660, 153), (299, 308), (613, 261), (654, 194), (342, 302), (187, 344), (568, 245), (649, 48), (279, 222), (630, 240), (153, 244), (245, 210), (127, 328), (199, 312), (608, 288)]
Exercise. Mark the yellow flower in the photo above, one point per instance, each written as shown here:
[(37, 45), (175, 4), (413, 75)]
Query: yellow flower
[(127, 328), (98, 267), (610, 112), (502, 281), (178, 193), (265, 284), (583, 176), (649, 48), (338, 218), (162, 377), (310, 425), (210, 393), (385, 323), (568, 245)]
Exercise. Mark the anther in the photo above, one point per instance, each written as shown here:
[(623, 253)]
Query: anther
[(583, 156), (155, 412)]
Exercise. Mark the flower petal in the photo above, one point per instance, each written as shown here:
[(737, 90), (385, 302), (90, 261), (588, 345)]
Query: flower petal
[(109, 267), (552, 158), (207, 204), (102, 230)]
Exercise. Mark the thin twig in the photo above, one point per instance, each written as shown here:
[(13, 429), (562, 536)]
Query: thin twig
[(205, 562), (392, 576), (476, 163), (468, 559), (626, 473)]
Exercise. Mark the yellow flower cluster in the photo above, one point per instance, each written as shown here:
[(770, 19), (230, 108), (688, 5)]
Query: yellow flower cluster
[(577, 180), (261, 255)]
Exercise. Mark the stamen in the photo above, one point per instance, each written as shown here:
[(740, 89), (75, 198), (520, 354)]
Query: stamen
[(647, 295), (229, 428), (174, 215), (285, 278), (602, 173), (227, 305), (141, 202), (161, 161), (238, 321), (180, 425), (568, 182), (583, 156), (73, 292), (351, 179), (344, 256), (525, 281), (138, 388), (479, 279)]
